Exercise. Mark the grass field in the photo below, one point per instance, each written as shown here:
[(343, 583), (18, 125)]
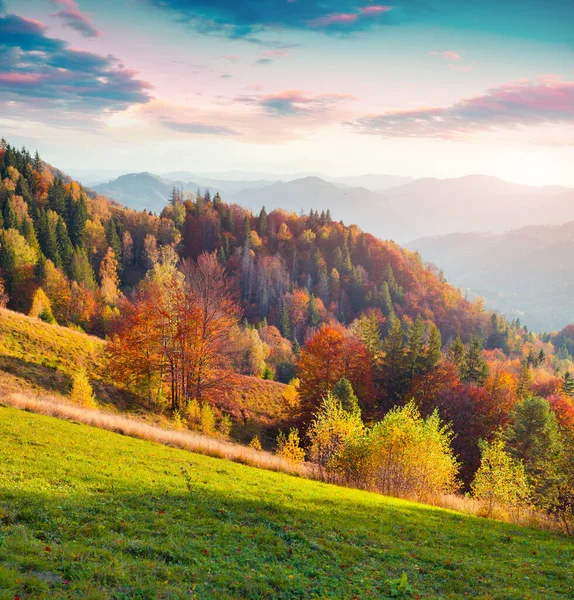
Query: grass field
[(86, 513)]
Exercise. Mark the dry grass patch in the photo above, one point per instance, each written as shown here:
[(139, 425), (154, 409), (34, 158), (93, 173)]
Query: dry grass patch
[(186, 440)]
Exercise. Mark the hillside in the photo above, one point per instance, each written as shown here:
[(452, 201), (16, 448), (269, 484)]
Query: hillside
[(39, 358), (151, 521), (525, 273)]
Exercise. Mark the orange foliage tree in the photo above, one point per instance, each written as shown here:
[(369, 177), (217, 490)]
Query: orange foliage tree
[(177, 330), (328, 356)]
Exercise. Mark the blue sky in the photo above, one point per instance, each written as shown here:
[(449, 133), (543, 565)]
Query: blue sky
[(423, 88)]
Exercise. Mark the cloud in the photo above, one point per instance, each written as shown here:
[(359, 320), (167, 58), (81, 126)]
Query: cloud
[(515, 105), (269, 56), (196, 127), (225, 76), (235, 18), (334, 19), (74, 18), (38, 72), (295, 103), (448, 55)]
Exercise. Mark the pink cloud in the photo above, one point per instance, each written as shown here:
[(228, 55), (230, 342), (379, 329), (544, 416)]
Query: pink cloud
[(448, 55), (516, 104), (20, 78), (74, 18), (345, 18), (376, 9)]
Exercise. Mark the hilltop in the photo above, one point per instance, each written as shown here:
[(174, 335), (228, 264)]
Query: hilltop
[(100, 515)]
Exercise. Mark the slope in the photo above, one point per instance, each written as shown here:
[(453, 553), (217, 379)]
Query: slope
[(151, 521), (527, 273), (36, 357)]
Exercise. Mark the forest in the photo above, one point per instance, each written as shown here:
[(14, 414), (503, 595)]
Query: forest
[(395, 381)]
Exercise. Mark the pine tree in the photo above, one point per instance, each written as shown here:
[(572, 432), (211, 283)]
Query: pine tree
[(81, 270), (38, 163), (369, 331), (247, 232), (113, 240)]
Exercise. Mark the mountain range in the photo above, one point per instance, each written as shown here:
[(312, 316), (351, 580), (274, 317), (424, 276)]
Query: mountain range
[(527, 273), (411, 210)]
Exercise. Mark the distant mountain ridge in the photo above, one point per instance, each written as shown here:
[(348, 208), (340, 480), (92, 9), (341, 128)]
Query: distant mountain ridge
[(412, 210), (527, 273)]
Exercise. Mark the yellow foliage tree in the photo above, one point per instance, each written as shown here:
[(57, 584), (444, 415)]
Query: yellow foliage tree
[(289, 446), (41, 306), (82, 393)]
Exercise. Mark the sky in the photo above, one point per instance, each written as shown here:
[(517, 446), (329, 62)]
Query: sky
[(421, 88)]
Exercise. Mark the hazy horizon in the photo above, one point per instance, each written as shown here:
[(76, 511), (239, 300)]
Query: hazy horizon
[(441, 90)]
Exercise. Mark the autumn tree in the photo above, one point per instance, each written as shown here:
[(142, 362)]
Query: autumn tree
[(500, 481), (326, 358)]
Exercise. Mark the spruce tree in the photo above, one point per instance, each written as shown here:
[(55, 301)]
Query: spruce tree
[(475, 369), (47, 238), (568, 384), (263, 223), (284, 324), (78, 215), (343, 391), (533, 437), (415, 348), (9, 215), (456, 355), (395, 368), (65, 248), (57, 197), (433, 352)]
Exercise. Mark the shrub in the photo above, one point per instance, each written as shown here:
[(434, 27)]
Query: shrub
[(406, 455), (289, 446), (331, 432), (193, 414), (225, 425), (42, 307), (178, 420), (207, 419), (255, 443), (500, 480), (82, 393)]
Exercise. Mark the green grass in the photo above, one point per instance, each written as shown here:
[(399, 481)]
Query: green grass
[(86, 513)]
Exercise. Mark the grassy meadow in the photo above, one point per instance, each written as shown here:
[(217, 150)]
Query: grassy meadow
[(90, 514)]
